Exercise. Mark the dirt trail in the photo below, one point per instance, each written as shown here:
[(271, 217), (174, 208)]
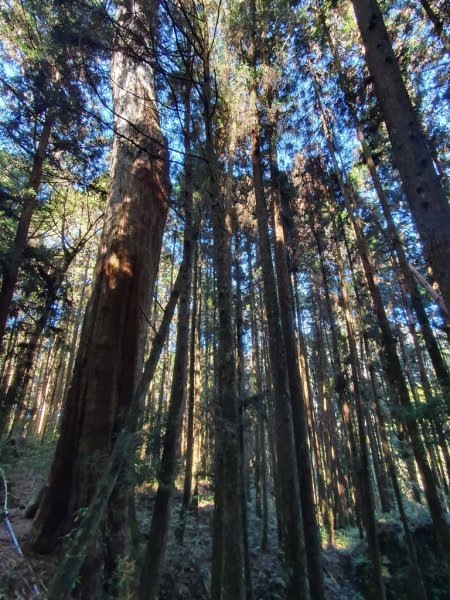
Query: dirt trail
[(21, 576)]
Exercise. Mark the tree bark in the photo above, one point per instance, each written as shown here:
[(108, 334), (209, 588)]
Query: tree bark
[(110, 354), (411, 151), (192, 397), (261, 500), (124, 446), (407, 270), (159, 529), (312, 534), (19, 244), (242, 413), (292, 534), (227, 581)]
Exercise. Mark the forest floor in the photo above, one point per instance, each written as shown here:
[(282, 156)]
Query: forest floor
[(187, 570)]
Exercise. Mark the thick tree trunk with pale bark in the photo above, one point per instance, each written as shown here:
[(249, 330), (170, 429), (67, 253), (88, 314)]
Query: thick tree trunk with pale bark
[(124, 446), (110, 354)]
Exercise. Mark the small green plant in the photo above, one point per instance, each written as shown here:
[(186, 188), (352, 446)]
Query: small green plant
[(124, 580)]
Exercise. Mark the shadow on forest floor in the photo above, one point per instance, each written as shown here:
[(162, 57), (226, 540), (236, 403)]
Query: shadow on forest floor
[(187, 570)]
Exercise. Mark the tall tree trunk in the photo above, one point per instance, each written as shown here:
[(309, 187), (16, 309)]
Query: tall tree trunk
[(411, 151), (324, 408), (192, 398), (76, 329), (242, 413), (437, 360), (260, 439), (58, 383), (159, 529), (287, 474), (110, 354), (8, 358), (308, 395), (124, 446), (418, 591), (19, 244), (312, 534), (227, 582), (361, 413), (346, 406)]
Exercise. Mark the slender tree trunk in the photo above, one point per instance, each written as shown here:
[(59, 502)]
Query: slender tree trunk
[(76, 330), (43, 406), (437, 360), (8, 359), (308, 395), (156, 545), (261, 467), (159, 529), (190, 438), (312, 534), (15, 258), (242, 414), (227, 569), (288, 491), (418, 590), (56, 393), (355, 364), (361, 413), (323, 401), (346, 406)]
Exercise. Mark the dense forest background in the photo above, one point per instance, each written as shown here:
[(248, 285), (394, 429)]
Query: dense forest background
[(224, 301)]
